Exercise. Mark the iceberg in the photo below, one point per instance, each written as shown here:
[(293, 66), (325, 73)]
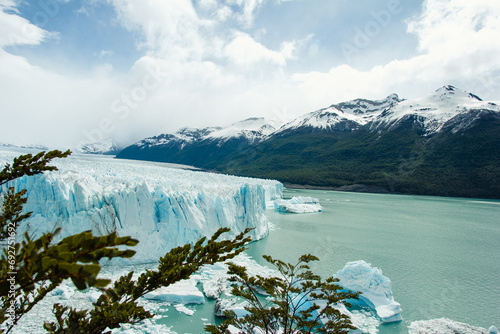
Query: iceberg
[(375, 288), (298, 204), (181, 293), (161, 207), (215, 279), (231, 304), (445, 326)]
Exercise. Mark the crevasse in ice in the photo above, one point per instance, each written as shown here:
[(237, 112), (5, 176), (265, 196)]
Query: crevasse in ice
[(160, 206)]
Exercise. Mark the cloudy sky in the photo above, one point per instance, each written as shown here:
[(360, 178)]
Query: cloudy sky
[(73, 71)]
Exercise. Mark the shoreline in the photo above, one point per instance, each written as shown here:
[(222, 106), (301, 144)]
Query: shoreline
[(356, 188)]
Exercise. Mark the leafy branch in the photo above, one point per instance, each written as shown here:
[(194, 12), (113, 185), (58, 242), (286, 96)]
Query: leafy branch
[(300, 301)]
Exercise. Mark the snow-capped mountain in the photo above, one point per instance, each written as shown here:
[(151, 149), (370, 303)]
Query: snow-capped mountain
[(393, 144), (252, 130), (197, 146), (432, 112), (345, 116), (33, 146), (105, 147)]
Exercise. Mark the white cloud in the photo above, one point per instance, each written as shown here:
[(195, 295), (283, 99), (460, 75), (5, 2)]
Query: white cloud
[(204, 64), (244, 50), (249, 9), (459, 43), (17, 30)]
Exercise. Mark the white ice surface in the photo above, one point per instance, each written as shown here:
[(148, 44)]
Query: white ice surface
[(160, 206), (376, 289), (298, 204), (214, 278), (443, 326), (182, 292), (183, 309)]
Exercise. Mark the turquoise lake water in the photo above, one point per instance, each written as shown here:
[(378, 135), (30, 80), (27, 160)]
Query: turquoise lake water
[(441, 254)]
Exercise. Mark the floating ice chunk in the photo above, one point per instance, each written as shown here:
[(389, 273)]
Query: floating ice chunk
[(376, 289), (231, 304), (444, 326), (298, 204), (94, 295), (182, 292), (215, 278), (64, 291), (214, 282), (145, 326), (182, 308)]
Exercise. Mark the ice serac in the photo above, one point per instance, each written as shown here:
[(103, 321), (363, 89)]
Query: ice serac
[(375, 288), (162, 207)]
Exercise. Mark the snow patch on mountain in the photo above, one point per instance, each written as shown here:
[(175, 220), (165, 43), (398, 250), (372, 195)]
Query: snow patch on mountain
[(324, 119), (253, 129), (182, 137), (350, 115)]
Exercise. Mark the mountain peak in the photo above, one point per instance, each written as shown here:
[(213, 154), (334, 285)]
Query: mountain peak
[(393, 97), (447, 88), (449, 91), (252, 123)]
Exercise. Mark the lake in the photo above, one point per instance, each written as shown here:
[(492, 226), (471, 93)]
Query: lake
[(441, 254)]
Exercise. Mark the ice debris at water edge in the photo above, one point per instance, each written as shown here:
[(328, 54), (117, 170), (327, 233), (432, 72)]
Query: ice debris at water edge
[(447, 326)]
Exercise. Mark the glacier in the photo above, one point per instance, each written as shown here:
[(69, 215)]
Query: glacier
[(161, 206), (375, 288)]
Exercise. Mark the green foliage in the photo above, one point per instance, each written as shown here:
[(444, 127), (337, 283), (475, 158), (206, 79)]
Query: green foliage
[(12, 214), (41, 266), (300, 301)]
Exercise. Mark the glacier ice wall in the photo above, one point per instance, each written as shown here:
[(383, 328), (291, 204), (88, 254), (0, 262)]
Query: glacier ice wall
[(162, 207)]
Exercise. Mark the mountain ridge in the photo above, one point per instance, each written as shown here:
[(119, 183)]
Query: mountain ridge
[(382, 144)]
